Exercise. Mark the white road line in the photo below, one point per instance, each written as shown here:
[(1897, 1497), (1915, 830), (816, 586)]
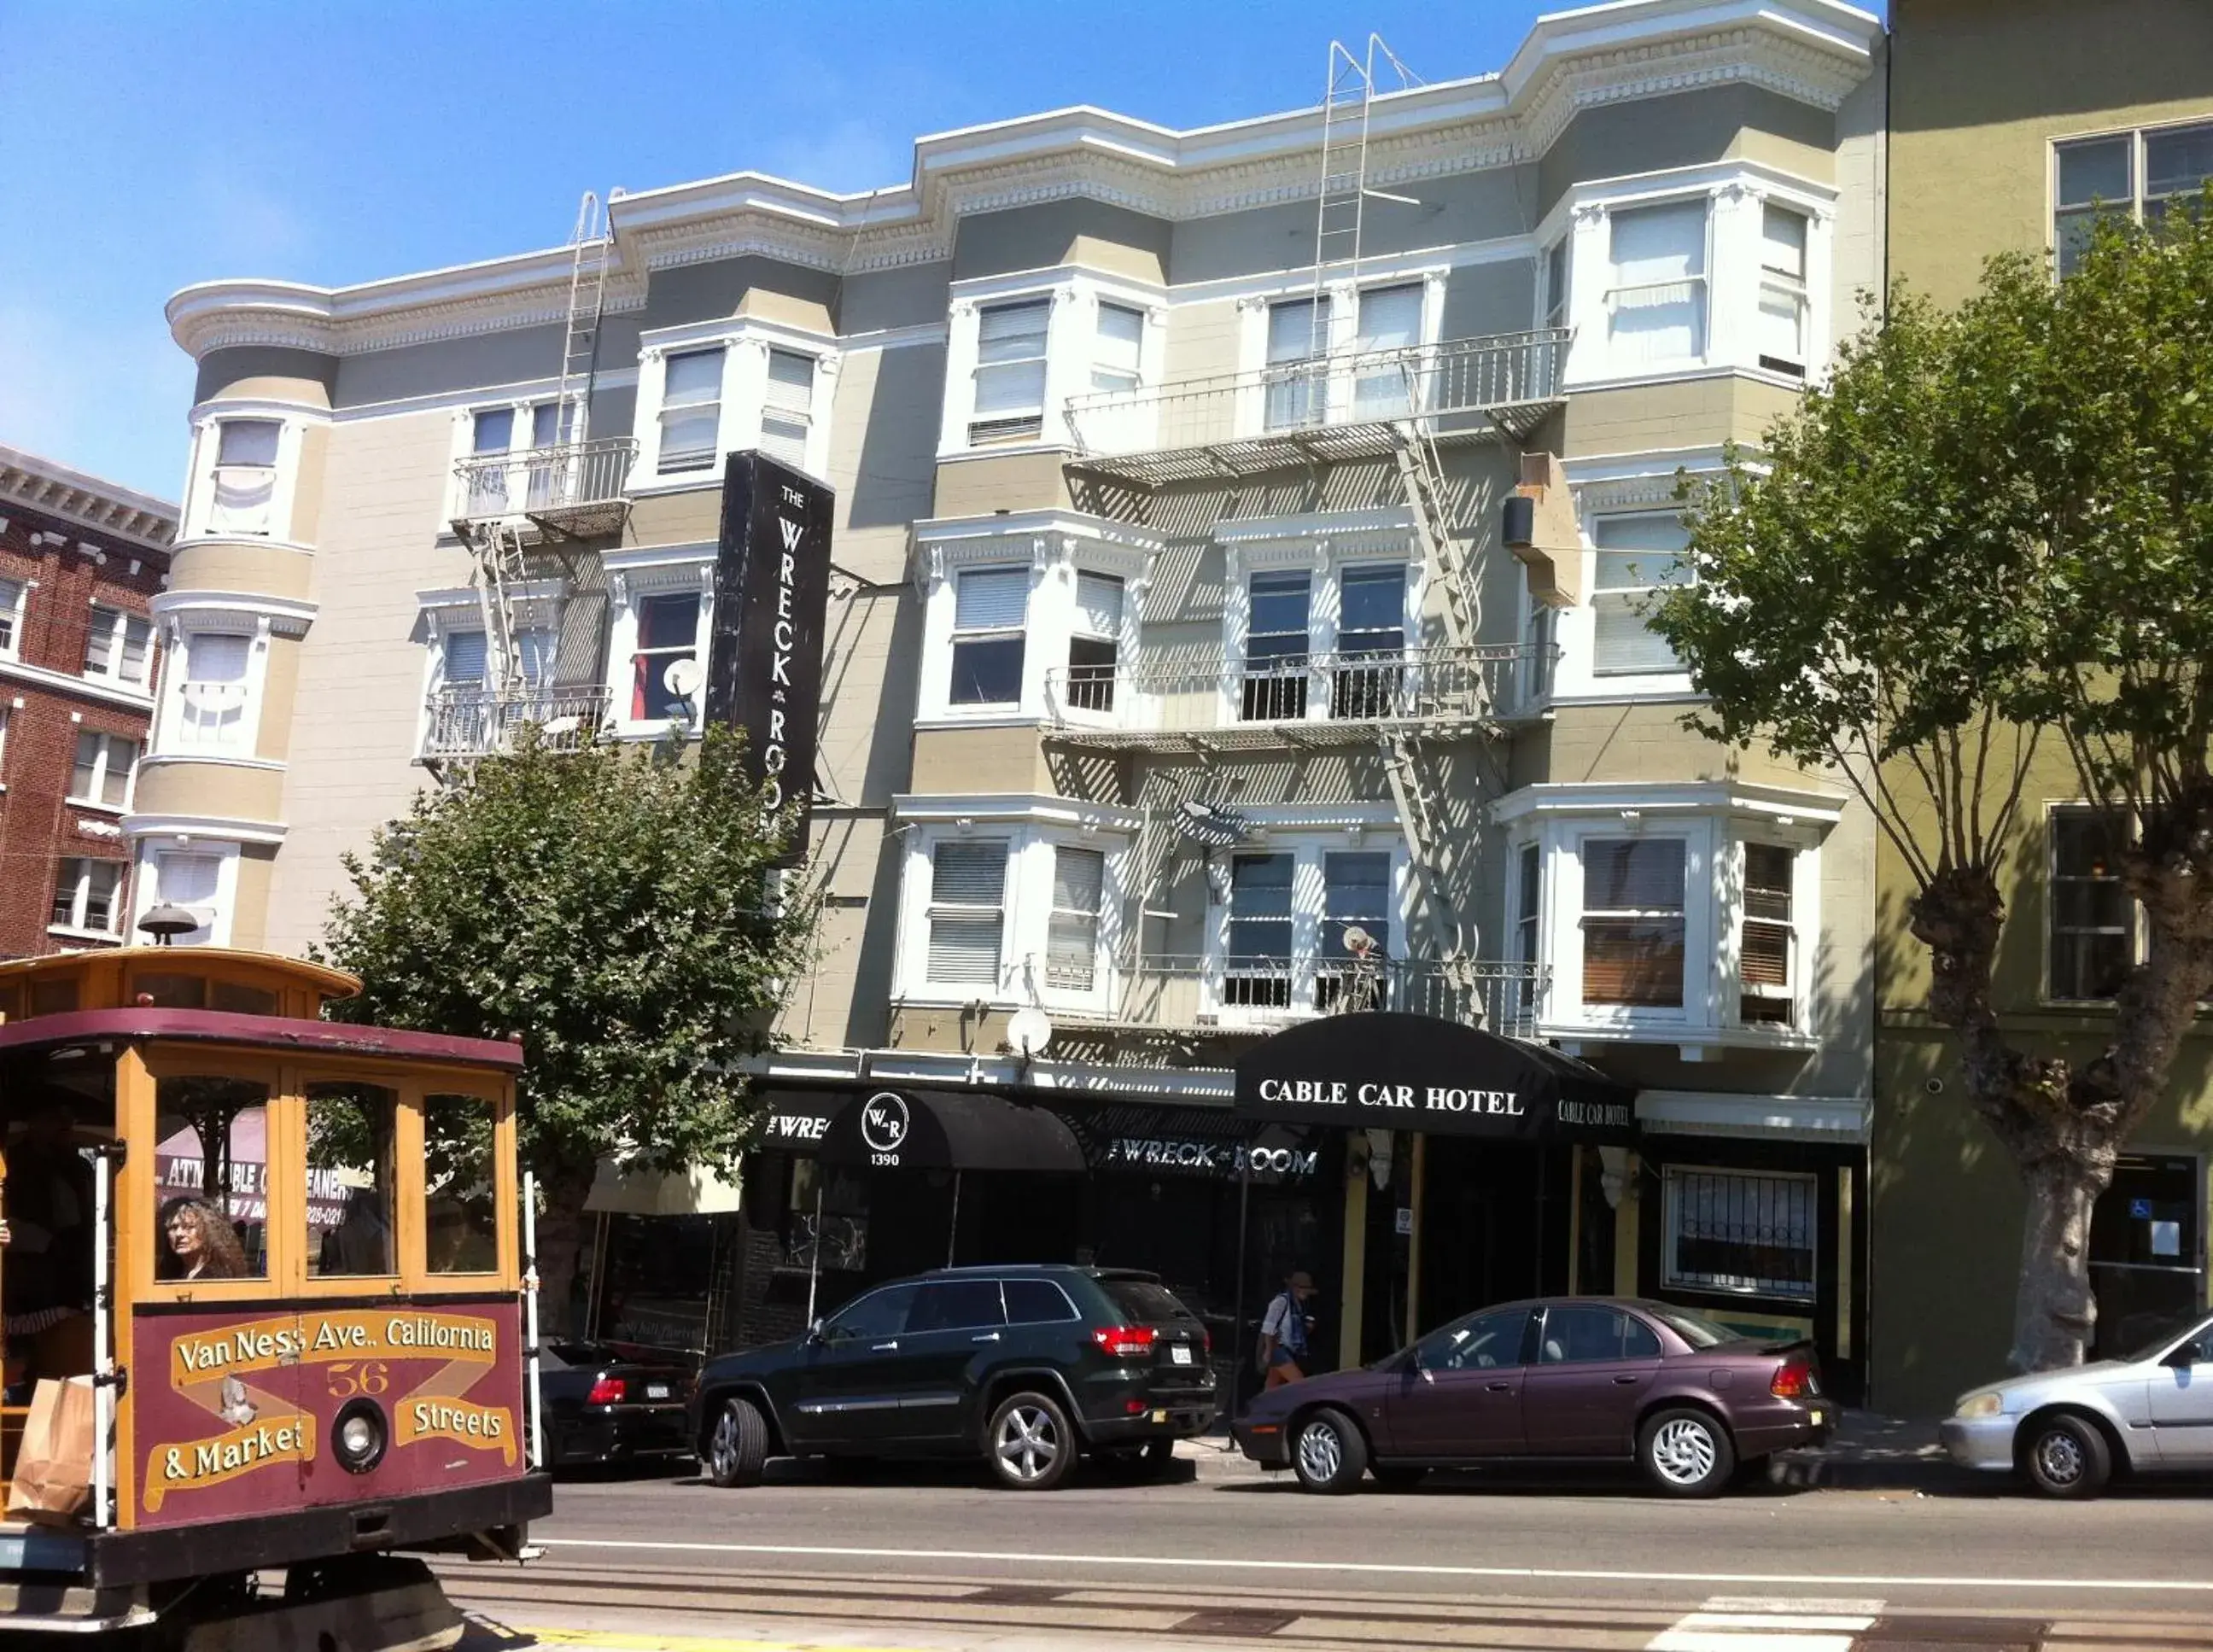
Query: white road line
[(1731, 1624), (1401, 1569)]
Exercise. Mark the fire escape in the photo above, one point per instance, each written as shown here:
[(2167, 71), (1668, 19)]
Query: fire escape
[(1416, 707), (528, 513)]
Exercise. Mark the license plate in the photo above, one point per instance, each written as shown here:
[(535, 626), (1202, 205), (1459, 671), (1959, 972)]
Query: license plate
[(1159, 1417), (1178, 1354), (1817, 1416), (657, 1391)]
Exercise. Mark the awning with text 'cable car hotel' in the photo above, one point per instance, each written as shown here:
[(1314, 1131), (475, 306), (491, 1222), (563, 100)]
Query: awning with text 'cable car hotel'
[(1384, 1069)]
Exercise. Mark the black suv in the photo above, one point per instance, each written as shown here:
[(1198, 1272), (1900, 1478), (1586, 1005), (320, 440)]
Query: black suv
[(1027, 1366)]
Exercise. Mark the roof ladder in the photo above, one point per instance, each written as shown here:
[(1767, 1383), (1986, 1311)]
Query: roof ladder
[(590, 252)]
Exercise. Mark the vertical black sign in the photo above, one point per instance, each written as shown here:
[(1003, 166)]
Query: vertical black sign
[(764, 666)]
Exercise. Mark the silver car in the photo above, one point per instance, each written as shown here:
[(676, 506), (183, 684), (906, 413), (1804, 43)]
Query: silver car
[(2066, 1432)]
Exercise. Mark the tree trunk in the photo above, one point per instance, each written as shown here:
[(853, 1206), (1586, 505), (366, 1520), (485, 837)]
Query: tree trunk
[(2055, 1312), (561, 1228)]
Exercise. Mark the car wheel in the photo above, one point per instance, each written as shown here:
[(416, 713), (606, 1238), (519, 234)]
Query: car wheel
[(1032, 1445), (1401, 1478), (1686, 1453), (1328, 1453), (738, 1450), (2067, 1457)]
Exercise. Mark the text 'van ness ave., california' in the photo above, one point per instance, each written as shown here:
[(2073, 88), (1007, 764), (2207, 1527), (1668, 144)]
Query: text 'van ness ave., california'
[(263, 1343)]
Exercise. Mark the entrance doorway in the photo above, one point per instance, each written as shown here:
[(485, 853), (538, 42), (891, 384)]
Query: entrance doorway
[(2147, 1249), (1494, 1223)]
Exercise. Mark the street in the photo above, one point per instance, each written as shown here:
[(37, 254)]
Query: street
[(896, 1558)]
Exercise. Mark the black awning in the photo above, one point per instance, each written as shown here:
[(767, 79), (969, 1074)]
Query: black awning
[(921, 1130), (1385, 1069), (1154, 1139)]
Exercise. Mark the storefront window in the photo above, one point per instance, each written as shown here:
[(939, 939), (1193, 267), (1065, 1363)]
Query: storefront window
[(211, 1178), (1731, 1230)]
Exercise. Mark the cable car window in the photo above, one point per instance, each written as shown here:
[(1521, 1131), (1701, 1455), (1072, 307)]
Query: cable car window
[(351, 1153), (169, 991), (212, 1176), (54, 997), (461, 1221)]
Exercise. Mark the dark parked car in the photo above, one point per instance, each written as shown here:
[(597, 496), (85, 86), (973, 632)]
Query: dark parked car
[(601, 1407), (1583, 1378), (1027, 1367)]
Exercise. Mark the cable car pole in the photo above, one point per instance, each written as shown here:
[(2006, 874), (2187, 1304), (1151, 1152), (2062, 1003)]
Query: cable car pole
[(530, 1314)]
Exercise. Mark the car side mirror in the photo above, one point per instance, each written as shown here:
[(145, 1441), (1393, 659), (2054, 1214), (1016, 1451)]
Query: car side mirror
[(819, 1331), (2183, 1358)]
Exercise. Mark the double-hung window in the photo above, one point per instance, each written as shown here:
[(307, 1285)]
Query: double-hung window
[(2100, 175), (102, 772), (967, 913), (211, 699), (1071, 947), (991, 606), (1390, 328), (2092, 921), (1748, 1235), (1094, 647), (116, 646), (463, 662), (189, 881), (1528, 939), (1297, 393), (1656, 303), (668, 631), (1279, 609), (88, 895), (1371, 640), (1556, 284), (492, 434), (1010, 342), (1116, 353), (1766, 937), (1356, 901), (691, 410), (245, 478), (1638, 557), (1783, 291), (1633, 922), (11, 617), (787, 412), (1257, 973)]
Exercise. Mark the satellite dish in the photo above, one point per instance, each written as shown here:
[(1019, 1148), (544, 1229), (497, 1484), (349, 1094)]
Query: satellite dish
[(1209, 825), (681, 679), (1029, 1031)]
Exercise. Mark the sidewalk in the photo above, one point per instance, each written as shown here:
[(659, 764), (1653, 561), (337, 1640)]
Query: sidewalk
[(1869, 1453)]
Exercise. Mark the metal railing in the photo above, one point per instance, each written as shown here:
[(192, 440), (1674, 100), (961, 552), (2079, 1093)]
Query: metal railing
[(1461, 385), (479, 722), (1229, 994), (578, 486), (1304, 695)]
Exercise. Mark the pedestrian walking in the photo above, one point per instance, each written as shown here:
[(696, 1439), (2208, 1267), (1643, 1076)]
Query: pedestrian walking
[(1284, 1329)]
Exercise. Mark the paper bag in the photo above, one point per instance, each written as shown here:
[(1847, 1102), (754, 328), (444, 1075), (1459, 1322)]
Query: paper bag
[(52, 1479)]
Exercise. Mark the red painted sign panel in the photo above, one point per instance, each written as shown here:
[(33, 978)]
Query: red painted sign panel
[(238, 1409)]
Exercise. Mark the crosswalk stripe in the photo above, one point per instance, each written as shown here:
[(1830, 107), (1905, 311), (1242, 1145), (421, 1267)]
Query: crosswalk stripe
[(1734, 1624)]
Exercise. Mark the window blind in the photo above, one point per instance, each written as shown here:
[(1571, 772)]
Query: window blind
[(1121, 337), (1010, 342), (1072, 933), (1099, 604), (1658, 301), (968, 882), (693, 378), (991, 598), (969, 874), (215, 657), (248, 441), (1782, 242), (1390, 318), (1639, 874), (1636, 555), (186, 881), (465, 658), (491, 431), (1296, 331)]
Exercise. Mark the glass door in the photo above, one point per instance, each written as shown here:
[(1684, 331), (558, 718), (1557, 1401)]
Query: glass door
[(2147, 1249)]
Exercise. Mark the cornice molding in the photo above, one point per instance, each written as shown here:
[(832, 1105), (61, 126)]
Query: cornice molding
[(31, 484)]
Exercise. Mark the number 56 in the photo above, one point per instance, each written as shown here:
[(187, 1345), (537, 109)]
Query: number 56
[(369, 1377)]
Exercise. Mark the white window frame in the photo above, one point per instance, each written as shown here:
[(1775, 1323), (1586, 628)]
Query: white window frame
[(101, 767), (117, 622), (280, 526), (2053, 811), (634, 576), (745, 342), (1072, 294), (441, 613), (146, 882), (1034, 828), (471, 498), (1250, 417), (1715, 820), (1308, 844), (1775, 282), (1643, 487), (1055, 545), (119, 899), (175, 732), (14, 609), (1671, 1213), (2139, 140)]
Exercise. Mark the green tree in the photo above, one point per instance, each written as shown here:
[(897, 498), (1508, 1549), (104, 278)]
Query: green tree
[(618, 908), (1988, 538)]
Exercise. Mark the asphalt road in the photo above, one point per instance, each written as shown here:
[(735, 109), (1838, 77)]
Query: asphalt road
[(892, 1557)]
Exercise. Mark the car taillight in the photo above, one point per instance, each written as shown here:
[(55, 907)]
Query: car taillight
[(1126, 1341), (1205, 1342), (607, 1391), (1794, 1381)]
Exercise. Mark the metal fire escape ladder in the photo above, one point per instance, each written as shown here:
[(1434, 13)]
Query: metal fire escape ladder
[(1347, 92), (591, 252)]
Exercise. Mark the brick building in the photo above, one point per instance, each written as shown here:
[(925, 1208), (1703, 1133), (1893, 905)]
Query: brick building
[(80, 562)]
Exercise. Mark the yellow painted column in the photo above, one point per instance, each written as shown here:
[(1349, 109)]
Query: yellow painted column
[(1417, 1172), (1624, 1232), (1351, 1311)]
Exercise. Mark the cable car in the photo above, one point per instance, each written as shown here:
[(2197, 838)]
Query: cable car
[(288, 1259)]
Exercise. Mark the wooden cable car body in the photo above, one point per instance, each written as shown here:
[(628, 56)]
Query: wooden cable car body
[(340, 1370)]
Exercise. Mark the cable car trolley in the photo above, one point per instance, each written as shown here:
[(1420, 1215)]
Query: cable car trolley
[(264, 1289)]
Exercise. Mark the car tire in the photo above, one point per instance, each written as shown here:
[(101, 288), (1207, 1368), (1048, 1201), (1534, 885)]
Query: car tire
[(1328, 1452), (1029, 1444), (1400, 1479), (2066, 1456), (1686, 1453), (737, 1450)]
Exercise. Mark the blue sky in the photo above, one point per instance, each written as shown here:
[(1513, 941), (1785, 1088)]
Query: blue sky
[(153, 143)]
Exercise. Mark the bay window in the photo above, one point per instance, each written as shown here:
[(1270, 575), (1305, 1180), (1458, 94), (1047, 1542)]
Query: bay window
[(1094, 644), (990, 608), (1783, 291), (102, 773), (1297, 393), (788, 409), (1656, 296), (189, 881), (1766, 939), (212, 698), (88, 895), (691, 411), (245, 477), (1010, 363), (116, 646), (1633, 922), (1638, 556), (1071, 955), (967, 913)]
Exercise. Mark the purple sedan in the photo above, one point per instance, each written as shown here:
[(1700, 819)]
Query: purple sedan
[(1584, 1379)]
